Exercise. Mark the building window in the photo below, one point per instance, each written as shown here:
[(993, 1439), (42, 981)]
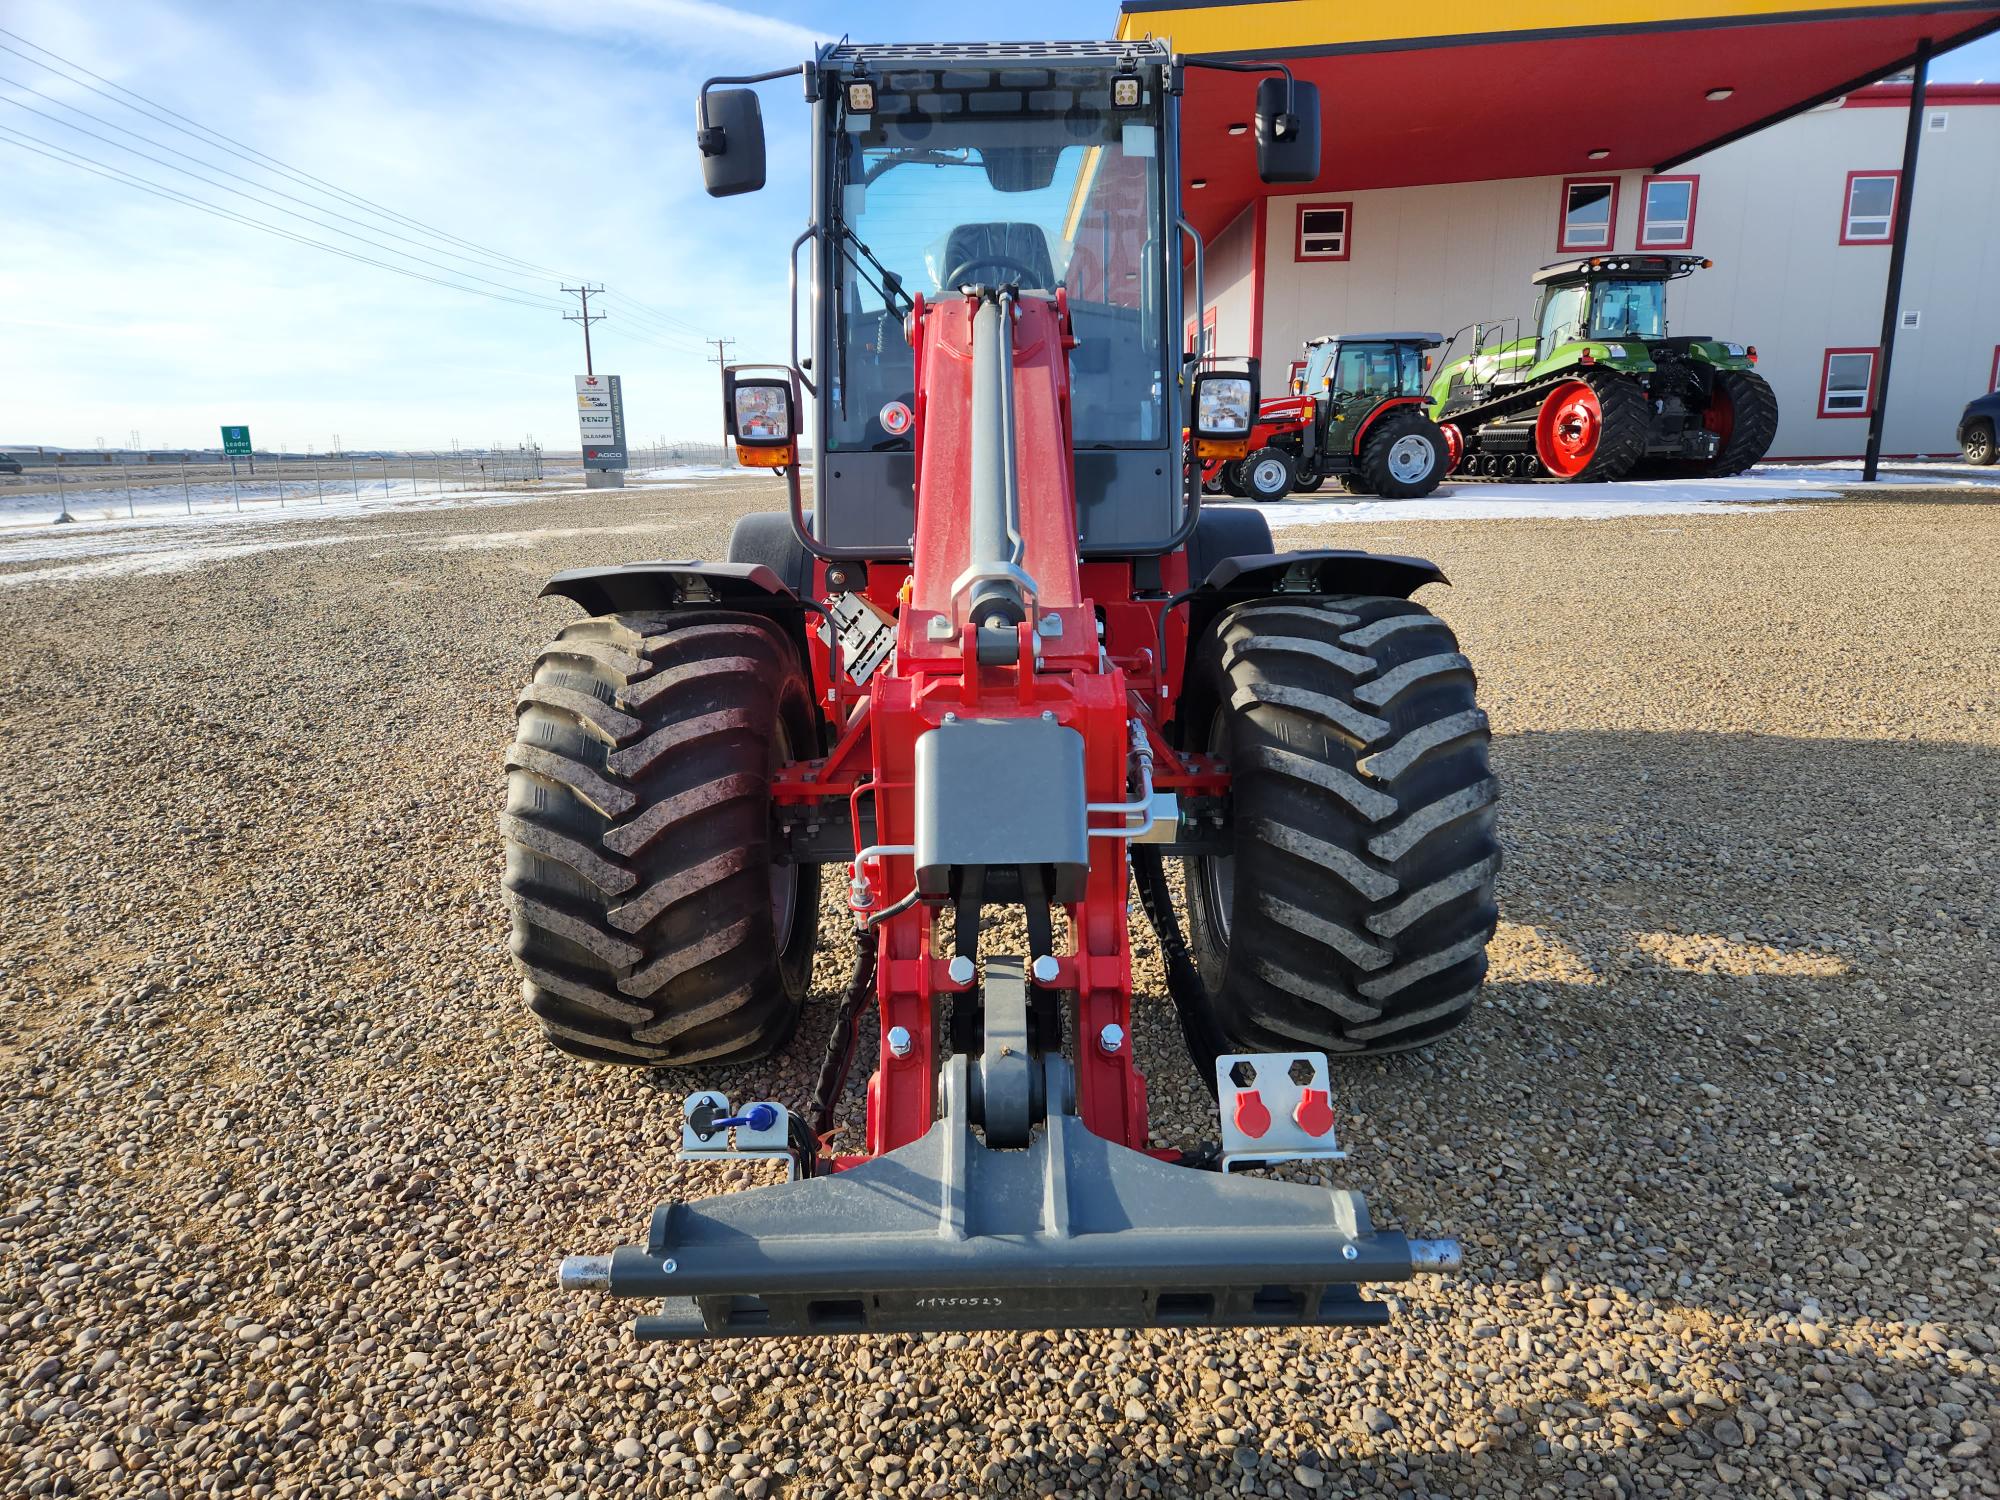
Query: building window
[(1589, 213), (1847, 383), (1666, 213), (1325, 231), (1870, 216), (1202, 347)]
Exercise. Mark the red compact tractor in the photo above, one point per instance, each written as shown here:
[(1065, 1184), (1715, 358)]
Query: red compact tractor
[(1003, 669), (1356, 414)]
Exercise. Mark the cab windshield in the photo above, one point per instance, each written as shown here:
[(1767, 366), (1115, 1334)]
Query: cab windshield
[(1628, 309), (1026, 176)]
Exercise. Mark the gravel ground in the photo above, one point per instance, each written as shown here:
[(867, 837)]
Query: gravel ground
[(284, 1168)]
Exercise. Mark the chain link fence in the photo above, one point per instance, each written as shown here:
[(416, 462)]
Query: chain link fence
[(108, 486)]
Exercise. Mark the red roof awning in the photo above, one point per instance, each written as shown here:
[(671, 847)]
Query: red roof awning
[(1564, 101)]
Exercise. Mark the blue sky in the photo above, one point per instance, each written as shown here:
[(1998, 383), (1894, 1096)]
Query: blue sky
[(555, 131)]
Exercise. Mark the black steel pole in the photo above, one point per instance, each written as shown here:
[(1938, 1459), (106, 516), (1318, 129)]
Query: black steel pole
[(1892, 296)]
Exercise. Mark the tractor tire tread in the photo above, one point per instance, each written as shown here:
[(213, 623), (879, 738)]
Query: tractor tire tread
[(1365, 852), (1753, 428), (639, 843)]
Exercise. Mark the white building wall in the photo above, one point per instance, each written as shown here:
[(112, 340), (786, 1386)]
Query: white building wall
[(1769, 213), (1226, 263)]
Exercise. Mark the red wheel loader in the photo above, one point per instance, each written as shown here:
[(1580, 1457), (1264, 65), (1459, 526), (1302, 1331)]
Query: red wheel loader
[(1004, 660)]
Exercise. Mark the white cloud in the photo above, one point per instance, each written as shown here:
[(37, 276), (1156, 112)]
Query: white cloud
[(699, 26)]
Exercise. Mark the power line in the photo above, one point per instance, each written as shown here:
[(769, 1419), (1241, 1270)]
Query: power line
[(646, 320), (261, 187), (644, 317), (174, 195), (259, 201), (215, 139), (665, 317)]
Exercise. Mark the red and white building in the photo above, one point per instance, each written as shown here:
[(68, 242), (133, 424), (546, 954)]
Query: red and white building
[(1463, 148), (1797, 219)]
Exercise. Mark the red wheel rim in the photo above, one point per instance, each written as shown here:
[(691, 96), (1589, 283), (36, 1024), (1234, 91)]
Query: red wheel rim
[(1454, 446), (1720, 418), (1569, 429)]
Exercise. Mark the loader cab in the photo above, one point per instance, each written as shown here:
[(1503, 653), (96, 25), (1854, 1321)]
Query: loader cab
[(1049, 167), (946, 172)]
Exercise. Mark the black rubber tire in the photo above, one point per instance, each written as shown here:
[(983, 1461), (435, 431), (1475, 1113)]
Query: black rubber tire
[(1362, 877), (1354, 484), (1753, 429), (1279, 470), (1372, 462), (1980, 447), (1627, 419), (1231, 475), (1309, 483), (640, 873), (766, 536)]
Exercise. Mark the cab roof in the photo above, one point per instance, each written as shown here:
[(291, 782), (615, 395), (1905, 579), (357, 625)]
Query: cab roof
[(1427, 340), (1583, 267)]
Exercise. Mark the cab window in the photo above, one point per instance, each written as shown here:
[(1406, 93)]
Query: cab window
[(1562, 316), (1630, 310)]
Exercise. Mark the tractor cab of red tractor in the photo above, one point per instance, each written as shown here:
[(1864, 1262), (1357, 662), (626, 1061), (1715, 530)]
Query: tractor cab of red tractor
[(1350, 376), (1355, 413), (1000, 670)]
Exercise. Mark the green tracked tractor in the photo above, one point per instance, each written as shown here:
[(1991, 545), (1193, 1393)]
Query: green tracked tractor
[(1602, 392)]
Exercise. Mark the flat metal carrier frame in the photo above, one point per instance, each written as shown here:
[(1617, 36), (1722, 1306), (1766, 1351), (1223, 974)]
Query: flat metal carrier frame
[(949, 1235)]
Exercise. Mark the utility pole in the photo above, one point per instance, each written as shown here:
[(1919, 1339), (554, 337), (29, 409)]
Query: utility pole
[(720, 361), (586, 318)]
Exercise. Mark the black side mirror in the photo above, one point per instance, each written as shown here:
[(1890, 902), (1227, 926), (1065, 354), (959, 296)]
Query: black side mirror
[(1287, 140), (761, 416), (729, 128)]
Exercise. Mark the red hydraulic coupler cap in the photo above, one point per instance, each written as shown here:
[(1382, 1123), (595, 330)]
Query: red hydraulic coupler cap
[(1252, 1117), (1314, 1115)]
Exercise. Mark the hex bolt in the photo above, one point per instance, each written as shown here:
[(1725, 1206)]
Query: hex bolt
[(899, 1041), (1348, 1252), (1048, 716), (668, 1267), (951, 718), (961, 970), (1046, 969), (1111, 1038)]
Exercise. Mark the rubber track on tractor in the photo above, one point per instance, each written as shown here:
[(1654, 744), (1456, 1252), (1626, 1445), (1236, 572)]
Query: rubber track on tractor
[(1524, 403)]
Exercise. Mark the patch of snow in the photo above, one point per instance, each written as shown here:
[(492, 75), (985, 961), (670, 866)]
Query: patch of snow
[(1472, 500), (1891, 474)]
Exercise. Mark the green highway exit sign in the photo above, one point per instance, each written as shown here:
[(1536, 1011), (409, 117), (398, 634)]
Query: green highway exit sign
[(235, 440)]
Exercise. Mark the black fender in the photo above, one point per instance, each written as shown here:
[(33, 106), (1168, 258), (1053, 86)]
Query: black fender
[(637, 588), (669, 586), (1319, 572)]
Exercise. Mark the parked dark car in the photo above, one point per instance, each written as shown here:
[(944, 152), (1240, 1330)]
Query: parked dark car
[(1976, 429), (9, 464)]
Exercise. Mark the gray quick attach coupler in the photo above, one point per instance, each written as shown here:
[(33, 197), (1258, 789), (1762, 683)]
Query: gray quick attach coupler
[(947, 1234)]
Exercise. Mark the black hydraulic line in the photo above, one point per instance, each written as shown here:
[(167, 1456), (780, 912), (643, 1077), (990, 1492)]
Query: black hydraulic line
[(839, 1058), (1899, 242), (1205, 1041)]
